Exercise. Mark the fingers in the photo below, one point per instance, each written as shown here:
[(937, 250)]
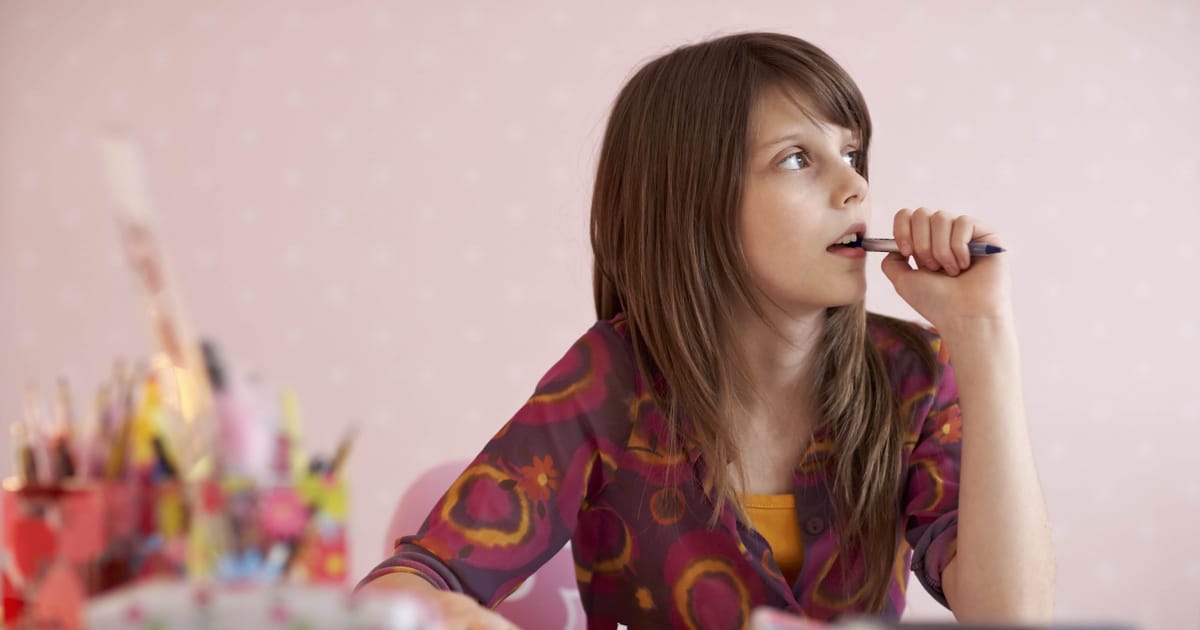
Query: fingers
[(961, 233), (936, 240), (902, 231), (940, 224)]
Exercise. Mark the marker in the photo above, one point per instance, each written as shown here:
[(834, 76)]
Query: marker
[(889, 245)]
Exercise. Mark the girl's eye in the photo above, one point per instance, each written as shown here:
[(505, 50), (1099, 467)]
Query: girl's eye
[(795, 161), (854, 159)]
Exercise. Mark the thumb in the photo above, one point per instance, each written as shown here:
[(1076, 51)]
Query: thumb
[(896, 268)]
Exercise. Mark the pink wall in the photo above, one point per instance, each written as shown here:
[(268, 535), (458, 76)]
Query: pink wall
[(384, 207)]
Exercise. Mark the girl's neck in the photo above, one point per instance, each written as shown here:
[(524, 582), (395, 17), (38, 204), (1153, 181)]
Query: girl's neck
[(780, 363)]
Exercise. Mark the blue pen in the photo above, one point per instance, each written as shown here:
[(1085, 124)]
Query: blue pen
[(889, 245)]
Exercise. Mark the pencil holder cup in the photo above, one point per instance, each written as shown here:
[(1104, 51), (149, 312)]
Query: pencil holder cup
[(53, 541), (294, 533)]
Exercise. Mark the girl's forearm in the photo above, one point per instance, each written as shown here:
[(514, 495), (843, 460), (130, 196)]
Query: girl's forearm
[(1004, 569)]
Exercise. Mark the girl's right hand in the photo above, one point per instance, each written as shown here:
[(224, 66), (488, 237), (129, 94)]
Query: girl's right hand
[(456, 611), (461, 611)]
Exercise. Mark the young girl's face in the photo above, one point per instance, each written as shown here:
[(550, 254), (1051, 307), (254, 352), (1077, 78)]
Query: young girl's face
[(802, 195)]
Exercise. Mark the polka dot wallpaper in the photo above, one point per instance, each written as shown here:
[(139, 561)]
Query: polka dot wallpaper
[(383, 205)]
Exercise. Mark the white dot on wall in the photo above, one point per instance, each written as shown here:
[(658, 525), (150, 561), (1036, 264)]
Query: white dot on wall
[(916, 94), (336, 57), (384, 498), (382, 336), (161, 138), (426, 377), (383, 257), (206, 99), (248, 296), (1101, 495), (202, 259), (294, 99), (335, 294), (293, 178), (515, 294), (26, 339), (381, 175), (1003, 93), (69, 296), (1142, 289), (470, 17), (293, 256), (472, 335), (559, 96), (914, 14), (336, 134), (160, 59), (424, 56), (248, 137), (515, 134), (514, 374), (382, 98), (560, 174), (68, 219), (1101, 412), (337, 375), (1185, 171), (1182, 92), (292, 336), (247, 59), (646, 16), (116, 100), (471, 176), (201, 179), (200, 20), (28, 180), (515, 56), (516, 214)]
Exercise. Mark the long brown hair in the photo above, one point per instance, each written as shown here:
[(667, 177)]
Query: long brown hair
[(664, 230)]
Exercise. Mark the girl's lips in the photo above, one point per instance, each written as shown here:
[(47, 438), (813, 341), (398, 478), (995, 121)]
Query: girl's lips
[(847, 252)]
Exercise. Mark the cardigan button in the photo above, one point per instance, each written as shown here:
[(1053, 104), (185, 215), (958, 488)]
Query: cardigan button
[(815, 525)]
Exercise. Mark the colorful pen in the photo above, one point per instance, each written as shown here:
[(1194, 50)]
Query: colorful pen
[(889, 245)]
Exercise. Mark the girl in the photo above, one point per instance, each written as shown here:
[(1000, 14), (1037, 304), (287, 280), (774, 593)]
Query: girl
[(736, 430)]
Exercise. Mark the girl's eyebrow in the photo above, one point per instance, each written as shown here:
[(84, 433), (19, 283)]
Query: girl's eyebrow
[(800, 136)]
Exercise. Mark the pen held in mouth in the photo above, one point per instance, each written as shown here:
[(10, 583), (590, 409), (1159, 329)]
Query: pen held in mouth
[(889, 245)]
